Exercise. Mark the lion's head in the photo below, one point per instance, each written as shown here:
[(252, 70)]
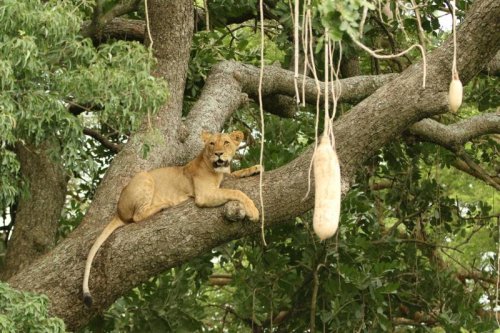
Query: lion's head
[(220, 149)]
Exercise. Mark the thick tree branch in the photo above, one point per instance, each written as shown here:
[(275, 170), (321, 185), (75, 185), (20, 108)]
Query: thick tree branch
[(221, 96), (220, 279), (421, 320), (121, 8), (279, 81), (454, 136), (138, 251), (457, 134), (118, 28), (222, 93), (281, 105), (37, 215), (476, 276), (493, 67), (94, 28)]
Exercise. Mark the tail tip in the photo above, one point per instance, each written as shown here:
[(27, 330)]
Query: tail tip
[(87, 299)]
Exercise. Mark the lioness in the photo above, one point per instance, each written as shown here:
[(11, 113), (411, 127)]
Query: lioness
[(149, 192)]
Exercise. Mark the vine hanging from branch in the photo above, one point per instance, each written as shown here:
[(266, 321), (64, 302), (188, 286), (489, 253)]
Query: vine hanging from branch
[(262, 125)]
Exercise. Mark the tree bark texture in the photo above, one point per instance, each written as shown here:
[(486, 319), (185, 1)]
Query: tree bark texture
[(138, 251), (38, 214), (450, 136)]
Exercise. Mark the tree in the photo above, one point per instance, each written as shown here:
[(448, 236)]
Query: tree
[(169, 134)]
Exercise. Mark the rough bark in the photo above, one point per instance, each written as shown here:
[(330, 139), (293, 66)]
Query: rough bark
[(38, 214), (110, 26), (230, 82), (139, 251), (95, 28), (118, 28), (493, 67), (450, 136)]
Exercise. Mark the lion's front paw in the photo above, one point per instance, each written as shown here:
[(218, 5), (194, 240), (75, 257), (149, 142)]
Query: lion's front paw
[(256, 169), (253, 170), (252, 213)]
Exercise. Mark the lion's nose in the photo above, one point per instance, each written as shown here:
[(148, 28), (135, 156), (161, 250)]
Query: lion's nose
[(218, 154)]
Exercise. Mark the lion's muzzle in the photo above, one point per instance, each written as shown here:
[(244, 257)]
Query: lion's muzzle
[(220, 163)]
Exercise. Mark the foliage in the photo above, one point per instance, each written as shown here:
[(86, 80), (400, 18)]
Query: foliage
[(399, 251), (412, 226), (211, 47), (397, 255), (343, 16), (46, 67), (26, 312)]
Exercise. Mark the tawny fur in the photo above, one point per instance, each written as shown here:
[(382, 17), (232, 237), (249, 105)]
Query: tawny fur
[(149, 192)]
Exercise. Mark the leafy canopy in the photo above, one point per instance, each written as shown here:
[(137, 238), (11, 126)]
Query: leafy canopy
[(26, 312), (46, 67), (400, 249)]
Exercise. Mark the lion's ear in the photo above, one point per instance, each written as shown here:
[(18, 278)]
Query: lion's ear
[(205, 135), (237, 136)]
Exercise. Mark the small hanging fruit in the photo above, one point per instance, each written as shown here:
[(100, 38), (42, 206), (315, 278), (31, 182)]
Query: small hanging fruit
[(456, 91), (455, 94)]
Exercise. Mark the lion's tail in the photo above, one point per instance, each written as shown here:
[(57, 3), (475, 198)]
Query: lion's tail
[(114, 224)]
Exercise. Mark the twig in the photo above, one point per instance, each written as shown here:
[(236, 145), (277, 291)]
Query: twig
[(460, 164), (387, 32), (391, 56), (496, 216), (393, 228), (458, 262), (76, 109), (229, 309), (226, 312), (416, 241), (363, 19), (469, 237), (460, 152), (103, 140), (314, 298)]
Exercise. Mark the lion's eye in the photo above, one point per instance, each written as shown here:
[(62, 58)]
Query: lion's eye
[(226, 143), (212, 143)]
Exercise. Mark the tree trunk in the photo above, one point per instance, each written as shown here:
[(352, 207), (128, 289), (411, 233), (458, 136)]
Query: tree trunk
[(138, 251), (38, 214)]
